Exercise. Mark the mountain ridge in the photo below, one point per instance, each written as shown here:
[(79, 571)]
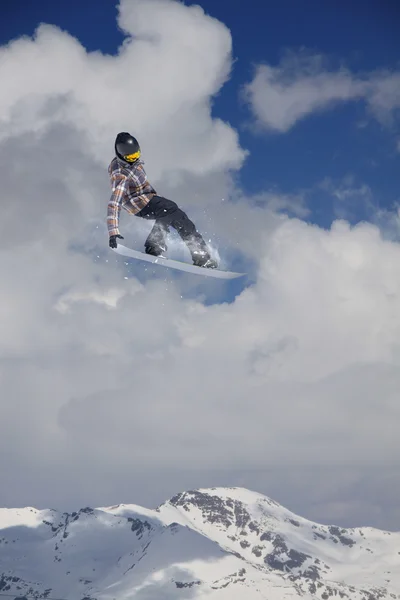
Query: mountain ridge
[(210, 542)]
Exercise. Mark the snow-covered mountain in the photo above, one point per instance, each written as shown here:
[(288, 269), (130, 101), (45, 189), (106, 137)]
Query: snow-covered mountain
[(219, 544)]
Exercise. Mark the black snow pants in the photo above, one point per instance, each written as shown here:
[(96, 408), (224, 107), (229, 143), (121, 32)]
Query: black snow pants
[(167, 213)]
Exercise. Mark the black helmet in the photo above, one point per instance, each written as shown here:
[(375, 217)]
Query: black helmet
[(127, 147)]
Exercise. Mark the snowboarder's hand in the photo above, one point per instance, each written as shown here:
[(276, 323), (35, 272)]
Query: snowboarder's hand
[(113, 240)]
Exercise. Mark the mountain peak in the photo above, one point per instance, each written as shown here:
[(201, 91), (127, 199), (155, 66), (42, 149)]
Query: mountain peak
[(230, 506), (214, 543)]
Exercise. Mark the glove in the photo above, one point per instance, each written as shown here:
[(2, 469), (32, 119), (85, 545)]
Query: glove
[(113, 240)]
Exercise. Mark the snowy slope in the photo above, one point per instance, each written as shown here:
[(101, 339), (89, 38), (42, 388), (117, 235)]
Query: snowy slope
[(263, 532), (215, 543)]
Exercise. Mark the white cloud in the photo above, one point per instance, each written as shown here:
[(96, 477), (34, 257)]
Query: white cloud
[(160, 87), (301, 85), (105, 375), (383, 95), (352, 199)]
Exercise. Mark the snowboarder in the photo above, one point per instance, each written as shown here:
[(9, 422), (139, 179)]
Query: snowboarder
[(132, 191)]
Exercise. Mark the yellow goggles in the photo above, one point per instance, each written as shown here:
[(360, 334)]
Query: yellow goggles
[(132, 157)]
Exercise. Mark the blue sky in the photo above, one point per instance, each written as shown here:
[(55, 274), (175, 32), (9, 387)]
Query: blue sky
[(335, 144)]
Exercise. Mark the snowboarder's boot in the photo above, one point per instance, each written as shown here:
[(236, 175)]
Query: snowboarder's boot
[(202, 258), (156, 243), (155, 249)]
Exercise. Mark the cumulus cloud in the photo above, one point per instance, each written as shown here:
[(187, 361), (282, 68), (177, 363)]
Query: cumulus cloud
[(106, 378), (160, 85), (301, 85)]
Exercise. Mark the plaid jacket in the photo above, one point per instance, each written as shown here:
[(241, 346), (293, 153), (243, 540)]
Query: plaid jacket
[(130, 191)]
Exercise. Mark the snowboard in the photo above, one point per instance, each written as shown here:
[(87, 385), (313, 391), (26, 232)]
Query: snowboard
[(176, 264)]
